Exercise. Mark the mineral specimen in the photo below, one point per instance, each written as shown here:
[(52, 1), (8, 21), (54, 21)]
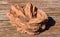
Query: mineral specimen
[(27, 19)]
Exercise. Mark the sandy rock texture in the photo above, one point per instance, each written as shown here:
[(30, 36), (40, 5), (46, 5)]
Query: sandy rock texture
[(27, 19)]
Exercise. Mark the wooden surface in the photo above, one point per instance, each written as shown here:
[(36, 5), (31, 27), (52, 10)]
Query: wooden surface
[(51, 7)]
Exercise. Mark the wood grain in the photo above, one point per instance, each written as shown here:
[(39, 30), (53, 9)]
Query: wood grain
[(51, 7)]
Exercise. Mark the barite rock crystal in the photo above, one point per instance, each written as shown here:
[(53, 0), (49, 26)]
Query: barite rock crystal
[(27, 19)]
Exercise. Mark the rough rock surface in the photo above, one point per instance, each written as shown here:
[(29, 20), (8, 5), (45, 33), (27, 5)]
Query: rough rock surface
[(27, 19)]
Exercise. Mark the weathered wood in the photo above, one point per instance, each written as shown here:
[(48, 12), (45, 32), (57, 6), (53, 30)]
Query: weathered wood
[(51, 7), (3, 2), (41, 4)]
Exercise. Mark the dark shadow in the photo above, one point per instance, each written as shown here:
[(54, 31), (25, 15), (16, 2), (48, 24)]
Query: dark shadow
[(51, 22)]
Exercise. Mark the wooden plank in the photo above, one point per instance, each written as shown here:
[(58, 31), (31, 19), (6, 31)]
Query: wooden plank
[(7, 28), (51, 10), (47, 10), (4, 7), (55, 16), (3, 2), (51, 7), (47, 4), (3, 12), (57, 23), (7, 24), (43, 4)]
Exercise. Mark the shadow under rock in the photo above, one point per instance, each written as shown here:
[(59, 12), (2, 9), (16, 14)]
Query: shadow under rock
[(51, 22)]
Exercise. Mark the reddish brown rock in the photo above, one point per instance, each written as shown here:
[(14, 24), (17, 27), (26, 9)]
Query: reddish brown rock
[(27, 19)]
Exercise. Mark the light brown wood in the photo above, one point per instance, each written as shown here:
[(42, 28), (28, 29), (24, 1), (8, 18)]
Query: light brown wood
[(51, 7)]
